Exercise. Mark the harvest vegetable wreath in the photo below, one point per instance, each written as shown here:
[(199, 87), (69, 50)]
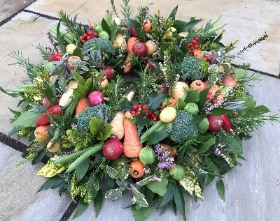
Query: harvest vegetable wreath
[(144, 104)]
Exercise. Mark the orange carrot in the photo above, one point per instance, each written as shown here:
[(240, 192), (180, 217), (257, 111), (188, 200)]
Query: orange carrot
[(130, 42), (82, 104), (131, 144), (136, 169), (172, 102)]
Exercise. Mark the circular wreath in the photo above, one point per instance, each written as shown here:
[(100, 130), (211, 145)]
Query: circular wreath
[(144, 104)]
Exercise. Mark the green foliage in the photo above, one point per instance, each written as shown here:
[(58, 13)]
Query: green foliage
[(190, 69), (101, 44), (182, 128), (79, 139), (101, 111)]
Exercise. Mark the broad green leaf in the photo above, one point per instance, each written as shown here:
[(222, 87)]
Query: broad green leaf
[(167, 196), (50, 95), (208, 179), (15, 130), (51, 183), (220, 111), (141, 121), (191, 24), (79, 78), (89, 84), (211, 165), (206, 145), (109, 17), (179, 24), (80, 208), (96, 125), (159, 187), (240, 73), (235, 146), (192, 96), (138, 197), (190, 183), (157, 136), (80, 92), (202, 98), (112, 172), (221, 188), (197, 118), (98, 202), (179, 200), (82, 169), (250, 103), (113, 194), (260, 110), (39, 156), (142, 213), (126, 105), (114, 30), (181, 104), (107, 131), (78, 52), (51, 169), (26, 119), (105, 26), (156, 100), (173, 13)]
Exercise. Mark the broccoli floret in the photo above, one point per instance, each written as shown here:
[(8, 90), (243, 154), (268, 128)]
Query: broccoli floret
[(191, 69), (101, 111), (182, 128)]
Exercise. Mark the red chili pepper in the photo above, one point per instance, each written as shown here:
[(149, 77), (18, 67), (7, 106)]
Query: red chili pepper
[(43, 120), (226, 122), (56, 57), (55, 110)]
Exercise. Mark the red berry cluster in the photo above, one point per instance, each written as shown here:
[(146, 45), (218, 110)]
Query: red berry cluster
[(143, 109), (89, 35), (193, 44)]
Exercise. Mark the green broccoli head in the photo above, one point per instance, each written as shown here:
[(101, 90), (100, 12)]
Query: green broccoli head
[(190, 69), (182, 128), (101, 111)]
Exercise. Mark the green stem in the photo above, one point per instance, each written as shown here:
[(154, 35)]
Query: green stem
[(84, 156), (152, 129), (162, 127), (70, 156)]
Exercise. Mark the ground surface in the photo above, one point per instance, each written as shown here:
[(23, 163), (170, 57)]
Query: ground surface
[(252, 191)]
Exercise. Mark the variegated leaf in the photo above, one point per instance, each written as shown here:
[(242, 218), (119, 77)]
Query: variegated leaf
[(113, 194), (145, 181), (190, 184), (112, 172), (138, 197), (51, 169)]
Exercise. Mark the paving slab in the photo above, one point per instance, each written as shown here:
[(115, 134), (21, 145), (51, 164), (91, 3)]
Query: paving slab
[(246, 21), (18, 187), (252, 191), (10, 7), (23, 33)]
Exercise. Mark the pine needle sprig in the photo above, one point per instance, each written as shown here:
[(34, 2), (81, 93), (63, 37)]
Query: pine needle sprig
[(20, 60), (255, 42)]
